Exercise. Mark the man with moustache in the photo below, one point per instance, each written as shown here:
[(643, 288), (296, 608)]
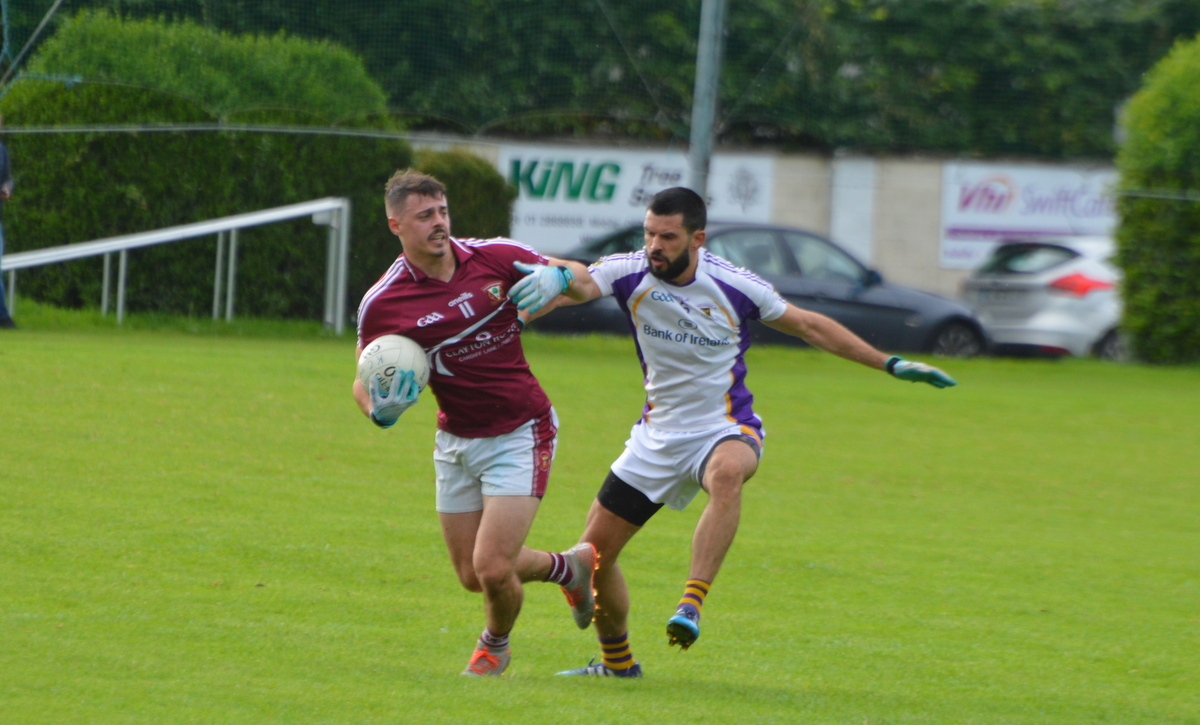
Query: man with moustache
[(690, 312), (497, 432)]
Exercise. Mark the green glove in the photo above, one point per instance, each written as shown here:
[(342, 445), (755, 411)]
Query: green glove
[(387, 409), (540, 285), (915, 372)]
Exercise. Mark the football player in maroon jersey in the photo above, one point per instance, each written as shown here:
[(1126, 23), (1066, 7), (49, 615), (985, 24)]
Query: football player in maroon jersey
[(497, 431)]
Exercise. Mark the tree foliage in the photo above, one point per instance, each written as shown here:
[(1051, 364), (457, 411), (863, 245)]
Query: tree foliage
[(1031, 77), (1159, 239)]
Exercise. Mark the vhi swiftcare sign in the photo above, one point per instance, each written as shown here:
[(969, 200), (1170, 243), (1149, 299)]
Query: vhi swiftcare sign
[(982, 204), (570, 195)]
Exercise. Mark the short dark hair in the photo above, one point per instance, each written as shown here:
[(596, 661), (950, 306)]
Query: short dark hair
[(408, 182), (681, 200)]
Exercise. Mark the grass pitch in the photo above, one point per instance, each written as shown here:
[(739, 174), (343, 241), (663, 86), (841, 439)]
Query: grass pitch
[(200, 527)]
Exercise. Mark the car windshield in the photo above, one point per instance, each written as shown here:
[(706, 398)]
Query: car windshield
[(819, 259), (1026, 259), (626, 240)]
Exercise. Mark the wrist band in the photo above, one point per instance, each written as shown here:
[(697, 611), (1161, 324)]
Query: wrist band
[(891, 364), (568, 277)]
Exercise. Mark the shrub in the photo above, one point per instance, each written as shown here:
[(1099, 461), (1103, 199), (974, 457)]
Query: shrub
[(79, 186), (1159, 239), (223, 73)]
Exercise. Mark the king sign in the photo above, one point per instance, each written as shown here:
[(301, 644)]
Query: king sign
[(569, 195)]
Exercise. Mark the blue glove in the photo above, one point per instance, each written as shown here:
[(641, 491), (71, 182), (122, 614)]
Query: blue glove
[(387, 409), (915, 372), (542, 284)]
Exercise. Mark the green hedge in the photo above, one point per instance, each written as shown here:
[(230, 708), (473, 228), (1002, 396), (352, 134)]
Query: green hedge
[(76, 187), (224, 73), (1159, 240)]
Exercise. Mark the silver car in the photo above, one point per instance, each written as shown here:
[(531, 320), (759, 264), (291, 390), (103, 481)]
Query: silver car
[(1050, 297)]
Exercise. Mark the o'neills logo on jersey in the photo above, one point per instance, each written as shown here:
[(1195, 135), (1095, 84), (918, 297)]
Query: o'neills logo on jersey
[(495, 292), (461, 299)]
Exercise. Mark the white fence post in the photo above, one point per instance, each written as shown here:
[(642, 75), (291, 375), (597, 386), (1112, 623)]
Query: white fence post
[(106, 285), (343, 267), (331, 260), (122, 269), (217, 276), (229, 286)]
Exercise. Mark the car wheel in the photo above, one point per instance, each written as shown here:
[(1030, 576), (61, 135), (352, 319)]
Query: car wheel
[(957, 339), (1114, 347)]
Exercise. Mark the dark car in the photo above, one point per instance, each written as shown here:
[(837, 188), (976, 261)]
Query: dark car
[(809, 271)]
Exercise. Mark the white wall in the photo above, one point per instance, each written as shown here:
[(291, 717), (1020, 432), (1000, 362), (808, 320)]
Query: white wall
[(852, 205)]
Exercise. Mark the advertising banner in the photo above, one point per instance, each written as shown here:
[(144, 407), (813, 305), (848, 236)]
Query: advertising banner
[(983, 204), (570, 195)]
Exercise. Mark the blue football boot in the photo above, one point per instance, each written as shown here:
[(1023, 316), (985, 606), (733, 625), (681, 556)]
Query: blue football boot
[(684, 628)]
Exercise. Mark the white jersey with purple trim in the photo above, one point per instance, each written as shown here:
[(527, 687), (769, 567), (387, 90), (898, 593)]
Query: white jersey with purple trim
[(691, 339)]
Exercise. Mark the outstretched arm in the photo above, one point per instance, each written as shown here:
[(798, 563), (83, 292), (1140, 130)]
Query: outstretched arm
[(584, 288), (820, 331), (544, 283), (829, 335)]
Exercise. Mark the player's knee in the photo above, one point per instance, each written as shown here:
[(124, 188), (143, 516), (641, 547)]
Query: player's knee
[(493, 573), (724, 481), (470, 582)]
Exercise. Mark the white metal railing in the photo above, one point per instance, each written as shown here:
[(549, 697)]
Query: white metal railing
[(333, 212)]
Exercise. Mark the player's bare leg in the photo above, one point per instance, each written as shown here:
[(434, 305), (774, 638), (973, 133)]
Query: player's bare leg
[(488, 553), (498, 547), (459, 531), (732, 463), (571, 570), (609, 533)]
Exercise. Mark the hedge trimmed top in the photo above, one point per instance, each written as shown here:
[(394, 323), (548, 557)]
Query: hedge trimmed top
[(225, 74)]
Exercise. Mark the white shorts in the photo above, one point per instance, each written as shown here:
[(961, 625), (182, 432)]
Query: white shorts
[(513, 464), (668, 465)]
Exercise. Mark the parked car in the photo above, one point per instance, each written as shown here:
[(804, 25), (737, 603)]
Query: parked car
[(1050, 297), (810, 272)]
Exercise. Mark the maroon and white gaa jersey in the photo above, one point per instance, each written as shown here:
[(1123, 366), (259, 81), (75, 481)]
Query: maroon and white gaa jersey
[(469, 330)]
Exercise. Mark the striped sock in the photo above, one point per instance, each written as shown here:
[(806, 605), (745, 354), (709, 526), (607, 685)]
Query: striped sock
[(560, 573), (615, 652), (694, 593), (493, 641)]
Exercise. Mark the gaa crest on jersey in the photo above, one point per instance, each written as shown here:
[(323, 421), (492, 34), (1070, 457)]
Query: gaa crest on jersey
[(495, 292)]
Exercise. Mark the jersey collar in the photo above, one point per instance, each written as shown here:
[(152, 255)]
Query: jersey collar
[(461, 253)]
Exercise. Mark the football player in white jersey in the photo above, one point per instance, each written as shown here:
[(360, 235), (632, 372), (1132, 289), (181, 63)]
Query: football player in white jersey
[(690, 312)]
